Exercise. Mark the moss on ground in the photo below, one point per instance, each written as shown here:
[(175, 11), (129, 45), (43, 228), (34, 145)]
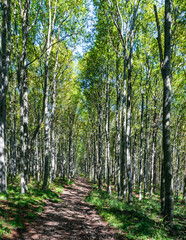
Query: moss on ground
[(19, 210)]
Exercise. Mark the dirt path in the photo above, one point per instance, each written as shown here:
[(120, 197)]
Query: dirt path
[(72, 218)]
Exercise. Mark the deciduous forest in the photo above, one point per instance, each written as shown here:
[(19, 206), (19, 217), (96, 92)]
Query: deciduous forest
[(92, 119)]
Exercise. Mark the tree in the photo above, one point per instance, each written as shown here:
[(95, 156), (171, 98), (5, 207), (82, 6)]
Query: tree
[(165, 63), (5, 31)]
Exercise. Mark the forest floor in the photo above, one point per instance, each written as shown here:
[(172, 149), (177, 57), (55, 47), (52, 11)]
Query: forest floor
[(70, 218), (79, 210)]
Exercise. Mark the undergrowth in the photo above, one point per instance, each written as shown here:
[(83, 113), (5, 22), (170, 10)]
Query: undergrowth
[(17, 210), (141, 220)]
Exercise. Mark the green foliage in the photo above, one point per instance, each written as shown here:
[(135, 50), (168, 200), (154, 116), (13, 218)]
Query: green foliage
[(138, 221)]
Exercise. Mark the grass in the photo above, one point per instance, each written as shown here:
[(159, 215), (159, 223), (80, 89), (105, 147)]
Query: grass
[(19, 210), (141, 220)]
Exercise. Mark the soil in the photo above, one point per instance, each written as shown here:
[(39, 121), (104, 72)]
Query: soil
[(71, 218)]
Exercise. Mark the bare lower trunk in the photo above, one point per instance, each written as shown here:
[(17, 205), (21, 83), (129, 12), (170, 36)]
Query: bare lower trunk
[(64, 160), (95, 159), (184, 183), (47, 139), (22, 162), (166, 73), (178, 170), (52, 169), (108, 136), (3, 160), (23, 87), (129, 101), (134, 160), (11, 160), (38, 169), (4, 65), (141, 150), (165, 64), (46, 110), (152, 167), (128, 143), (100, 177), (153, 163), (128, 132), (70, 166), (145, 148), (123, 142), (162, 192), (118, 155)]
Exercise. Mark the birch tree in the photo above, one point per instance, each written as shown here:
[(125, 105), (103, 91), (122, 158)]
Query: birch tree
[(5, 31)]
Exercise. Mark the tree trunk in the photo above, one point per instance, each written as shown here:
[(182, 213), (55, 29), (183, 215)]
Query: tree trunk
[(95, 158), (118, 155), (4, 75), (184, 183), (162, 192), (134, 160), (146, 129), (153, 162), (3, 160), (178, 169), (129, 100), (145, 147), (128, 139), (71, 151), (141, 148), (52, 169), (64, 161), (166, 73), (14, 134), (46, 90), (123, 141), (100, 176), (23, 88), (108, 135), (100, 143)]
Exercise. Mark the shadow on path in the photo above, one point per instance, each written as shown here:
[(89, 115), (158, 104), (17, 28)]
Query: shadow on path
[(72, 218)]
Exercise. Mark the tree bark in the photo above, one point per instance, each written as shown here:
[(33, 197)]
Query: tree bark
[(134, 160), (70, 162), (128, 137), (141, 148), (95, 157), (153, 162), (23, 88), (166, 73), (124, 122), (178, 169), (184, 183), (4, 75), (108, 134), (165, 64), (145, 147), (46, 91), (52, 170), (118, 155), (100, 176)]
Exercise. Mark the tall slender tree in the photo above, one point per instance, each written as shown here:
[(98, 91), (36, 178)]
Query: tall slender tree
[(165, 63), (5, 31)]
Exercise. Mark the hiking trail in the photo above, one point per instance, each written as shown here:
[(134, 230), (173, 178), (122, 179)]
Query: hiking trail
[(72, 218)]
